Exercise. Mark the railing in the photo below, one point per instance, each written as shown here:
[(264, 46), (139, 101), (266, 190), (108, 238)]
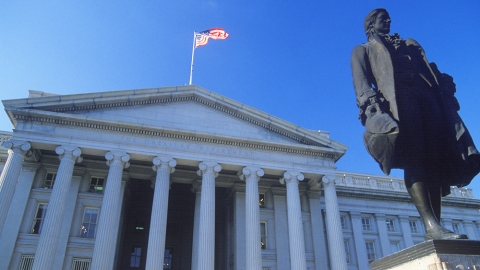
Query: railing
[(389, 183)]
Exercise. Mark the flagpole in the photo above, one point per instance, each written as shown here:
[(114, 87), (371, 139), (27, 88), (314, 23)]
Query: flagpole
[(193, 53)]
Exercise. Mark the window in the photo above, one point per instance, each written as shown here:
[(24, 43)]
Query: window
[(81, 264), (89, 223), (263, 235), (343, 221), (347, 250), (370, 245), (394, 246), (97, 184), (366, 224), (261, 200), (49, 180), (39, 217), (413, 226), (456, 228), (135, 256), (167, 261), (390, 224), (27, 262)]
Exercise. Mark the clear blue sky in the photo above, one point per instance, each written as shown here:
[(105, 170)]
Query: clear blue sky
[(287, 58)]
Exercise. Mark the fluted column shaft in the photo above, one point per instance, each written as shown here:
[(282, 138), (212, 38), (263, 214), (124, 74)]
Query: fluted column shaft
[(197, 189), (295, 225), (164, 166), (47, 244), (206, 231), (105, 242), (338, 258), (252, 175), (10, 174)]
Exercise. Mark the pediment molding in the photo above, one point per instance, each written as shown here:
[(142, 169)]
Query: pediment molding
[(132, 129)]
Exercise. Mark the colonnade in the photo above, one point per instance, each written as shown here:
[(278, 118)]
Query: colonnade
[(203, 256)]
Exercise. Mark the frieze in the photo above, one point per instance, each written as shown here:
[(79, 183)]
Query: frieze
[(196, 99), (171, 135)]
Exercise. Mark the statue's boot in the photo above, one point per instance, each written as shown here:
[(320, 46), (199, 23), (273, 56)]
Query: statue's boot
[(433, 228)]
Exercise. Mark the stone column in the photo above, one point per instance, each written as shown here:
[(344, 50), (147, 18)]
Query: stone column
[(407, 233), (206, 231), (338, 259), (197, 189), (360, 249), (307, 226), (298, 259), (318, 236), (15, 214), (106, 240), (239, 231), (164, 166), (251, 175), (10, 173), (47, 244)]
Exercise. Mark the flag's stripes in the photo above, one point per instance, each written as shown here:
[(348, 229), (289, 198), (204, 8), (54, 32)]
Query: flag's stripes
[(201, 38)]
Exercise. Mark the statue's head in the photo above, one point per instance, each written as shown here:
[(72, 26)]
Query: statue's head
[(378, 20)]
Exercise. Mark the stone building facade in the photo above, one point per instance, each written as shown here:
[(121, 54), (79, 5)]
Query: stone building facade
[(184, 178)]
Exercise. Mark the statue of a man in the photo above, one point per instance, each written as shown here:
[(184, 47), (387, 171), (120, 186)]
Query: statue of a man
[(411, 119)]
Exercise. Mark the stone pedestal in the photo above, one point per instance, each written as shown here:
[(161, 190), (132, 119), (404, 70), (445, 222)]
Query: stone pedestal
[(433, 255)]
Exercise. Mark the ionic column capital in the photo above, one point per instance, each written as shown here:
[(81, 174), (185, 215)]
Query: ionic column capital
[(328, 180), (209, 167), (117, 158), (252, 173), (66, 152), (19, 147), (291, 177), (162, 161)]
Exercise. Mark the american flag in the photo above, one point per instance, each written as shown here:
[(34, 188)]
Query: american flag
[(201, 38)]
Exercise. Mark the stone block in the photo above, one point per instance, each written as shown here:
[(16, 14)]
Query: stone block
[(433, 255)]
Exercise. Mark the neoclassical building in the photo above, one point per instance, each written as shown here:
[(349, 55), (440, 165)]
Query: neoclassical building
[(184, 178)]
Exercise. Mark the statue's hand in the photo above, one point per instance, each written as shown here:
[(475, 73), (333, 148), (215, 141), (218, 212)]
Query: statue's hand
[(372, 109)]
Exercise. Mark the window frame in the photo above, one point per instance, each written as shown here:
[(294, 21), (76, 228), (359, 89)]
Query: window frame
[(39, 220), (93, 188), (263, 237), (367, 224), (390, 222), (83, 223), (371, 252), (137, 257), (49, 183)]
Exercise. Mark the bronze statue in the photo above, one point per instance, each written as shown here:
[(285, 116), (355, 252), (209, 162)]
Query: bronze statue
[(410, 113)]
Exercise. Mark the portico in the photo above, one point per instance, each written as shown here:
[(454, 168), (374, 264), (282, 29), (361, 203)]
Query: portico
[(185, 136)]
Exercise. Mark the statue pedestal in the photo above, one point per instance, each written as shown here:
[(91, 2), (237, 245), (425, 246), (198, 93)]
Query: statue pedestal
[(433, 255)]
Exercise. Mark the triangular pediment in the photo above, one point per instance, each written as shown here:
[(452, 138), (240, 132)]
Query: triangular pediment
[(187, 110)]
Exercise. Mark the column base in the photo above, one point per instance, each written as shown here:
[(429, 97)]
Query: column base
[(433, 255)]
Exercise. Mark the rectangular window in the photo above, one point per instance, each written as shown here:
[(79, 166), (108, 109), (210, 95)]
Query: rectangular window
[(81, 264), (97, 184), (347, 250), (413, 226), (370, 245), (39, 217), (89, 223), (343, 221), (261, 200), (167, 261), (263, 235), (27, 262), (49, 180), (135, 256), (366, 224), (456, 228), (390, 224), (394, 246)]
